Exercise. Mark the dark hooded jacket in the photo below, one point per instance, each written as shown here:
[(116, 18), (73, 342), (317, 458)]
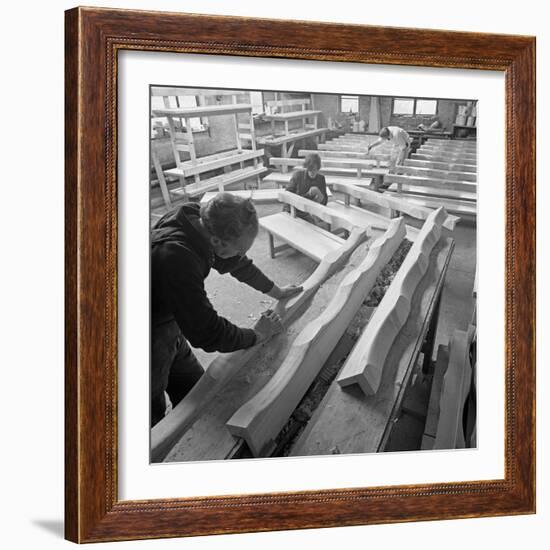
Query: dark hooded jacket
[(181, 259)]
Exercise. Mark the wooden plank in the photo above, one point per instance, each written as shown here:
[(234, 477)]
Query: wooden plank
[(288, 102), (284, 179), (261, 419), (219, 182), (441, 165), (443, 158), (437, 193), (334, 154), (456, 384), (366, 165), (432, 417), (289, 138), (364, 365), (170, 429), (258, 196), (464, 208), (391, 202), (367, 219), (189, 168), (203, 110), (446, 175), (292, 115), (315, 209), (347, 421), (433, 183), (301, 235)]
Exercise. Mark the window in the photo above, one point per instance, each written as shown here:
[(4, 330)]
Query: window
[(349, 104), (426, 107), (410, 107), (403, 106), (256, 99)]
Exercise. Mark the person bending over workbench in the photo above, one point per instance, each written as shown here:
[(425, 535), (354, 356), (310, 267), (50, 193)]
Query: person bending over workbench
[(186, 244), (400, 140)]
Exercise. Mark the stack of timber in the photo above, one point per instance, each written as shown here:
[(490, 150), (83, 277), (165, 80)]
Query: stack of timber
[(302, 235), (260, 419), (239, 164), (206, 405), (282, 113), (365, 364), (440, 173), (454, 377)]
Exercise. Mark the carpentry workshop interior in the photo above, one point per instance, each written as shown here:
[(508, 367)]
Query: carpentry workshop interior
[(361, 212)]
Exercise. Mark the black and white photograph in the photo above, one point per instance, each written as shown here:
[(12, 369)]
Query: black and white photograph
[(313, 273)]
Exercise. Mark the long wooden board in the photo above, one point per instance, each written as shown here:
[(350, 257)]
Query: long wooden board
[(208, 438), (261, 419), (391, 202), (436, 173), (347, 421), (432, 183), (456, 384), (455, 167), (165, 434), (365, 363)]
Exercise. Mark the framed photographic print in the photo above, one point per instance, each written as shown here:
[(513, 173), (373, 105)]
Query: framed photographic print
[(300, 275)]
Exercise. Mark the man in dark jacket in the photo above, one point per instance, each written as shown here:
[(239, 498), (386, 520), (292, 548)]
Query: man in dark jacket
[(186, 244)]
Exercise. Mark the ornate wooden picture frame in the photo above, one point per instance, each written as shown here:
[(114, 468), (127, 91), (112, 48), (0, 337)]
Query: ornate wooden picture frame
[(94, 37)]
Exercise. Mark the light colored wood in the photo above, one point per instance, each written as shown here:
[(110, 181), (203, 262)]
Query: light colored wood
[(432, 416), (170, 429), (289, 138), (347, 421), (284, 179), (463, 208), (219, 182), (301, 235), (440, 165), (203, 110), (365, 166), (292, 115), (443, 158), (288, 102), (162, 181), (364, 365), (446, 175), (455, 387), (367, 219), (418, 181), (258, 196), (333, 154), (434, 192), (260, 420), (315, 209), (391, 202), (199, 167)]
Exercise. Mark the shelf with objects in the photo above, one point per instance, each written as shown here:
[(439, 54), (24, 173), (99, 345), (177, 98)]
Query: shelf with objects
[(186, 119), (292, 120)]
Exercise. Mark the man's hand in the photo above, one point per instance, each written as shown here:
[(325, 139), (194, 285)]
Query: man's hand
[(267, 326), (285, 292), (368, 149)]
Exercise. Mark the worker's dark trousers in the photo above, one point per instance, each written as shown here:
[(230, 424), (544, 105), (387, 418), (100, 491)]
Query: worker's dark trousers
[(174, 368)]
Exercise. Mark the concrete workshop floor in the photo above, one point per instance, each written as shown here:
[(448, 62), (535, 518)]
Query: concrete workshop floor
[(243, 305)]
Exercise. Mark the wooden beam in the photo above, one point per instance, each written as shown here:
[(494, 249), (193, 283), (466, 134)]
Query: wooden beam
[(446, 175), (364, 365), (205, 110), (315, 209), (170, 429), (441, 165), (261, 419), (391, 202), (456, 384), (464, 186)]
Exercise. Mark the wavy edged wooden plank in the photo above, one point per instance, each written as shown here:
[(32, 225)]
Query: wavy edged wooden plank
[(260, 419), (454, 390), (170, 429), (365, 363)]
